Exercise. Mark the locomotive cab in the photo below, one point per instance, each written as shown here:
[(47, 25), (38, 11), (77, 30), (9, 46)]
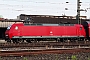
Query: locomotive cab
[(7, 33), (13, 30)]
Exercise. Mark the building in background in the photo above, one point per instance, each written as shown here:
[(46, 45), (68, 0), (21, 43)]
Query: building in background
[(51, 18)]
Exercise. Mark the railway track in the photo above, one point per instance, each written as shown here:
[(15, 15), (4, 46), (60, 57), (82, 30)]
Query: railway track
[(44, 45), (7, 49), (37, 44), (44, 51)]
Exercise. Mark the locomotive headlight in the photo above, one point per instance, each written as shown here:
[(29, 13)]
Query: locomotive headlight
[(16, 28), (6, 35)]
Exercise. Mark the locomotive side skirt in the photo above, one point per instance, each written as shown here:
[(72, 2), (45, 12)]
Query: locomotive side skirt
[(47, 36)]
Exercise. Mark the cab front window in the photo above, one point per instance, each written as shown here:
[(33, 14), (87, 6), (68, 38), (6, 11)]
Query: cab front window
[(9, 27)]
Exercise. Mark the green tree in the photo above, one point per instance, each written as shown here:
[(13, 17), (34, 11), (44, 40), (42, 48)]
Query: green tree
[(67, 58), (74, 57), (88, 58), (56, 57), (25, 58), (1, 16)]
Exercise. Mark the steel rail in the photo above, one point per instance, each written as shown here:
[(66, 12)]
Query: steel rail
[(43, 44), (47, 51)]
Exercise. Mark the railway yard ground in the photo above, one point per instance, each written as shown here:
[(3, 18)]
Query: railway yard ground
[(45, 51), (2, 41), (76, 56)]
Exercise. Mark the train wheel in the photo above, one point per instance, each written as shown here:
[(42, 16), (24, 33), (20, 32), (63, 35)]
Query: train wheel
[(14, 41), (35, 40), (62, 40), (29, 41), (20, 40), (58, 40), (8, 41)]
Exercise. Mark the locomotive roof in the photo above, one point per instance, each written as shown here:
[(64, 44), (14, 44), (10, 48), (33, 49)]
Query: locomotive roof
[(35, 24)]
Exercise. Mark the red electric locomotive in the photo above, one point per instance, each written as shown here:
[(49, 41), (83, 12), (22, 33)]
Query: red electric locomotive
[(20, 32)]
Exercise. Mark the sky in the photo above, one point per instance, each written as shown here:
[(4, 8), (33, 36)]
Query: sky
[(12, 8)]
